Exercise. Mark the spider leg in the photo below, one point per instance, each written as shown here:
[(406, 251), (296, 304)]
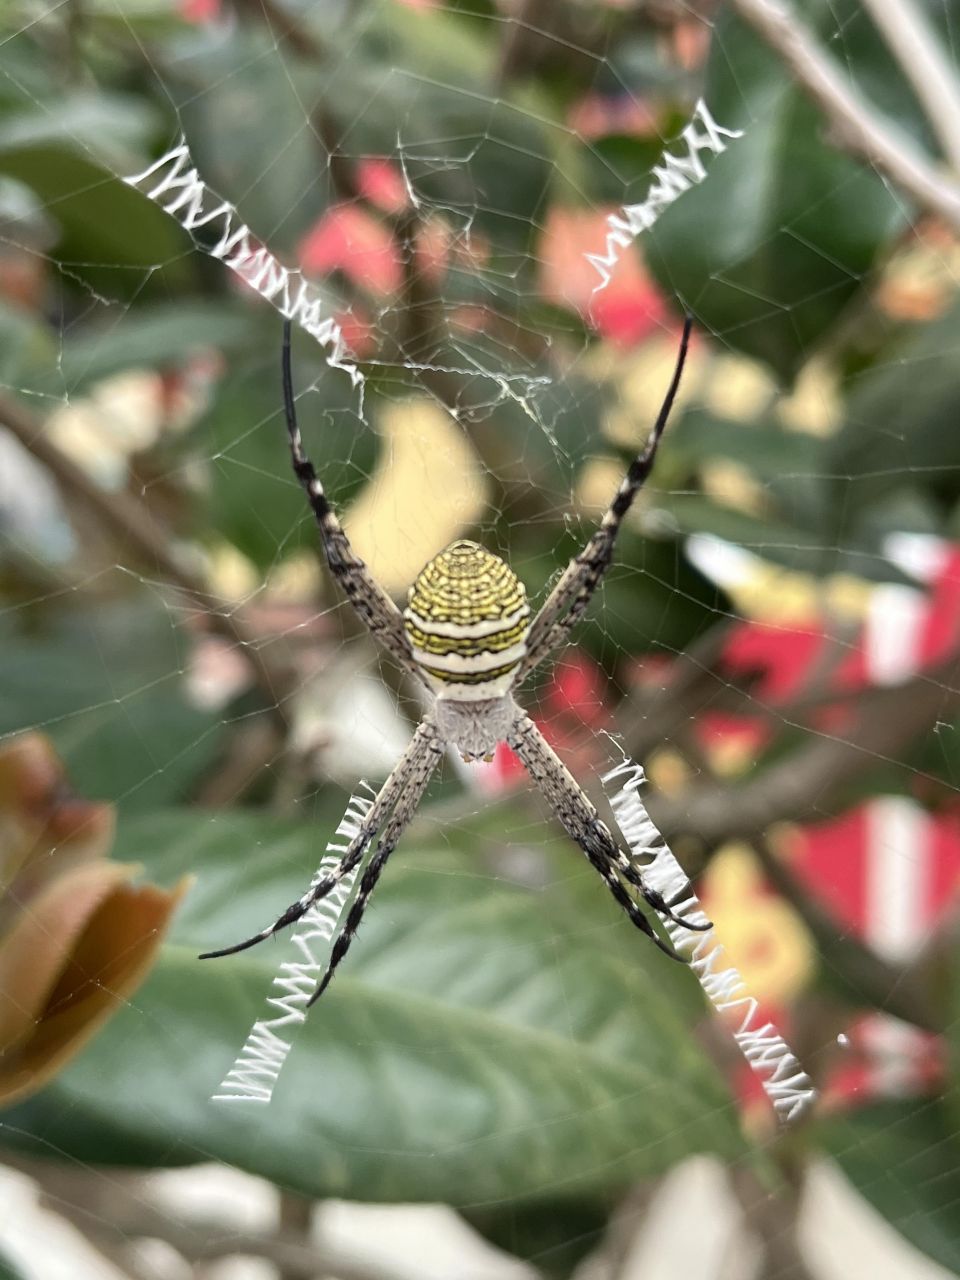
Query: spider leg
[(634, 876), (582, 822), (571, 595), (424, 749), (404, 811), (371, 603)]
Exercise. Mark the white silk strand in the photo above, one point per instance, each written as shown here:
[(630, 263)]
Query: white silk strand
[(674, 175), (787, 1086), (174, 184), (258, 1064)]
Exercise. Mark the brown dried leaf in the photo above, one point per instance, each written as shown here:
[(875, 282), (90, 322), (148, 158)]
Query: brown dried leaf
[(76, 937), (44, 827), (84, 946)]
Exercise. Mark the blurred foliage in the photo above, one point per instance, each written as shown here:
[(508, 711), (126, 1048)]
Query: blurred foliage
[(502, 1043)]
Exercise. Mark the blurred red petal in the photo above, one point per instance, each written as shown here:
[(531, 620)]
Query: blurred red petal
[(597, 115), (199, 10), (433, 248), (577, 686), (626, 316), (358, 333), (349, 239), (627, 307), (381, 182)]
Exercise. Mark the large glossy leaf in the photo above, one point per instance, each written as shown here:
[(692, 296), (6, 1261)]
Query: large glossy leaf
[(900, 427), (249, 131), (770, 249), (904, 1157), (484, 1040), (72, 153), (165, 334), (107, 685)]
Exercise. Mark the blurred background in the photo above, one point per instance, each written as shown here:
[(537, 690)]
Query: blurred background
[(505, 1080)]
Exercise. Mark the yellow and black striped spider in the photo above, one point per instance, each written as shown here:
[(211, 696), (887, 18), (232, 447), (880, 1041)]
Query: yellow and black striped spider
[(467, 635)]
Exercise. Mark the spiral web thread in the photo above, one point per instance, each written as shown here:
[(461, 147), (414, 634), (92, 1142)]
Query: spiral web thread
[(258, 1064), (788, 1087), (174, 184)]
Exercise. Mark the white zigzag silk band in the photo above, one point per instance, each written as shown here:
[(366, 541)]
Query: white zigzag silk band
[(175, 185), (258, 1064), (788, 1087), (672, 177)]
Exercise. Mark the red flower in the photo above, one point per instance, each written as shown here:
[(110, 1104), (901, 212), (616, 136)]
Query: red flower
[(627, 308), (348, 239)]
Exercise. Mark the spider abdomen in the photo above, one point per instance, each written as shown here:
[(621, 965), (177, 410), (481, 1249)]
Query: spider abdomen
[(467, 621)]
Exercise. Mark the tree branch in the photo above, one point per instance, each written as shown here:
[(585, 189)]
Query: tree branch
[(917, 50), (808, 782), (856, 127), (133, 527), (870, 979)]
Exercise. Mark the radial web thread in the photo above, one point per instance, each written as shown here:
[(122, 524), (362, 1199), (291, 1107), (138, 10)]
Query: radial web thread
[(788, 1087), (258, 1064)]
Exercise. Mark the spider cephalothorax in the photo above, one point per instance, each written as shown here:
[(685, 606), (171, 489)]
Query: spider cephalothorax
[(467, 635)]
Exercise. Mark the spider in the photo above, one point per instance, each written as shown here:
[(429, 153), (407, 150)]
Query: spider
[(467, 635)]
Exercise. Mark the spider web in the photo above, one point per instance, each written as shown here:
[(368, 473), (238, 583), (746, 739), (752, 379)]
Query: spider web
[(476, 370)]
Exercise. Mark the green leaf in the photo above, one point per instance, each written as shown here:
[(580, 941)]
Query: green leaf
[(106, 228), (26, 347), (554, 1236), (10, 1272), (904, 1158), (163, 334), (900, 426), (255, 500), (655, 600), (772, 247), (71, 151), (651, 598), (249, 131), (106, 684), (109, 125), (484, 1040)]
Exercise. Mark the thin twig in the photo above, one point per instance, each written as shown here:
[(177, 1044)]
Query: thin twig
[(295, 1217), (774, 1219), (135, 529), (855, 125), (110, 1207), (918, 51)]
